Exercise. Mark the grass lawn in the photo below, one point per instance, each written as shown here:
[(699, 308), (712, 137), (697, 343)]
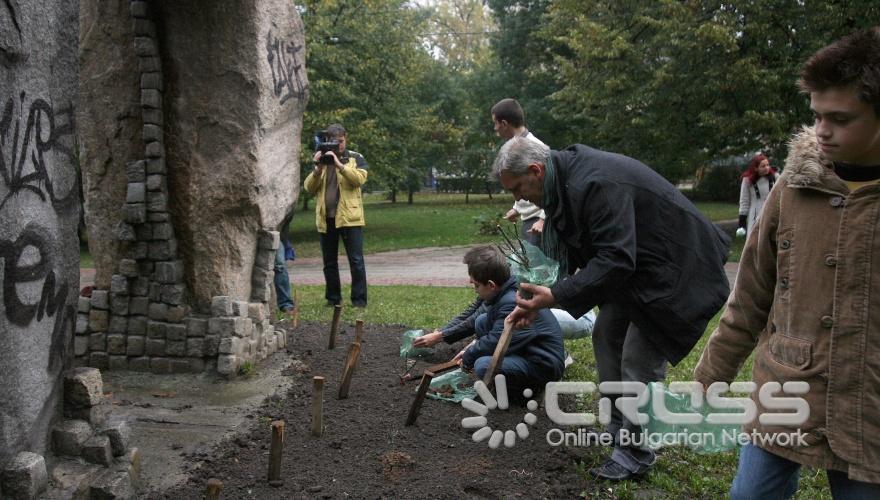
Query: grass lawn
[(433, 220), (680, 473)]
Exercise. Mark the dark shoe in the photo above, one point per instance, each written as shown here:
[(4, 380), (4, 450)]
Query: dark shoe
[(612, 471), (331, 304), (359, 304)]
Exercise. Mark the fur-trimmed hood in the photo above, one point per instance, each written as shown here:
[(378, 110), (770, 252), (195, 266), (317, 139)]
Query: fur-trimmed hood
[(805, 165)]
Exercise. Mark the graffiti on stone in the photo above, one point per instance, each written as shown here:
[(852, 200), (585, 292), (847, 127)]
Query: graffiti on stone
[(25, 149), (286, 60)]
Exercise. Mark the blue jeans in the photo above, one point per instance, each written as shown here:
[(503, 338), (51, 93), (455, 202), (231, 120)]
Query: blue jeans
[(353, 239), (763, 475), (282, 281)]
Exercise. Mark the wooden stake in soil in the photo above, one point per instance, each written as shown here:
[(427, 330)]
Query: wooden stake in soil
[(214, 487), (358, 330), (420, 398), (498, 356), (296, 300), (443, 367), (275, 451), (318, 407), (334, 326), (354, 350)]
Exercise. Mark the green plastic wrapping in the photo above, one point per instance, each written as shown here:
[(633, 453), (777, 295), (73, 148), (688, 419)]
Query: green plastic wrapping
[(542, 270), (701, 437), (406, 346), (460, 382)]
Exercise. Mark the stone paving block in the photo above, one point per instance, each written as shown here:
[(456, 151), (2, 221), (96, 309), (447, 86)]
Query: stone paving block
[(94, 415), (25, 476), (135, 171), (119, 284), (83, 387), (155, 347), (100, 299), (68, 437), (96, 450), (119, 434), (112, 485), (196, 327), (83, 304), (98, 360), (135, 345)]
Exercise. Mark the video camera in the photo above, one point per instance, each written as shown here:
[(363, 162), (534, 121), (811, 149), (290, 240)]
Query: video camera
[(325, 143)]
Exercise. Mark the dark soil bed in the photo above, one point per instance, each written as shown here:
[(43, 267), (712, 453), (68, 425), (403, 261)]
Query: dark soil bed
[(366, 451)]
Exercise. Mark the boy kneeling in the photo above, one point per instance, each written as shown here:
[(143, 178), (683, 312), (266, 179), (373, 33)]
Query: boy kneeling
[(535, 355)]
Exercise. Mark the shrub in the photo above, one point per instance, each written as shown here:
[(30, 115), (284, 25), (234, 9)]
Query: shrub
[(720, 183), (488, 225)]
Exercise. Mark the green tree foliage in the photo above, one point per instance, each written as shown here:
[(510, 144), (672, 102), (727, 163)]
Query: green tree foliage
[(676, 83)]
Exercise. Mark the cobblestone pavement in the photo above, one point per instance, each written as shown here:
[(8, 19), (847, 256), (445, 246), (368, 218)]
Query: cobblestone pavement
[(435, 266)]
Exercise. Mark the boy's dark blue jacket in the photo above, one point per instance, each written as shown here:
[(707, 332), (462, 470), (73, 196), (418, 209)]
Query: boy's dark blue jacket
[(540, 343)]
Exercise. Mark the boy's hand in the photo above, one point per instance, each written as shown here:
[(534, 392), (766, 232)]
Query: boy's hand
[(428, 339), (511, 215)]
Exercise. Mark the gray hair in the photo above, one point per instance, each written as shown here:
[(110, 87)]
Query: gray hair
[(517, 154)]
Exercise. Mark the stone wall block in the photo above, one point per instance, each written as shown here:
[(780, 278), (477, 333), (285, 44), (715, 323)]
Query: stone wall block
[(212, 345), (140, 364), (154, 117), (196, 365), (99, 359), (144, 27), (256, 311), (134, 213), (173, 294), (156, 329), (118, 304), (162, 250), (25, 476), (155, 165), (154, 150), (151, 81), (137, 325), (128, 268), (170, 271), (149, 64), (158, 311), (158, 217), (117, 362), (160, 365), (80, 345), (112, 484), (140, 287), (68, 437), (100, 299), (221, 305), (123, 231), (116, 344), (265, 259), (155, 347), (118, 324), (138, 306), (139, 9), (151, 98), (175, 348), (145, 46), (196, 327), (155, 182), (83, 304), (82, 324), (227, 364), (240, 308), (176, 314), (230, 345), (195, 346), (154, 295), (268, 240), (95, 415), (137, 250), (135, 345), (119, 284), (175, 332), (83, 387), (144, 232), (163, 231), (136, 192), (135, 171)]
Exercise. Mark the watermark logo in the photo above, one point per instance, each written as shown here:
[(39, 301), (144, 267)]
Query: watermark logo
[(499, 401)]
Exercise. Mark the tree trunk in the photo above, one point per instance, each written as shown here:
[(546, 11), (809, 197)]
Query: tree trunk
[(393, 196), (409, 197)]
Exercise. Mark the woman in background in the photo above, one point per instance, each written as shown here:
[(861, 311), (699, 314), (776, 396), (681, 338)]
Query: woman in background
[(757, 181)]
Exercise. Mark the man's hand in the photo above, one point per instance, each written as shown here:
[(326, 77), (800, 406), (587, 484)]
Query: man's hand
[(526, 310), (512, 215), (537, 227), (458, 357), (429, 339), (317, 160)]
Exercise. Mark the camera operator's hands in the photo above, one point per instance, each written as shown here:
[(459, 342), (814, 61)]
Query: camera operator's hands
[(317, 161), (339, 165)]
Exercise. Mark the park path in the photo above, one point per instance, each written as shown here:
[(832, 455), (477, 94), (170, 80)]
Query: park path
[(433, 266)]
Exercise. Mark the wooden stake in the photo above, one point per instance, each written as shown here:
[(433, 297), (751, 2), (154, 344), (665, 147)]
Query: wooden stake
[(334, 326), (318, 407), (354, 350), (420, 398), (296, 299), (498, 356), (358, 331), (443, 367), (275, 451), (214, 487)]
